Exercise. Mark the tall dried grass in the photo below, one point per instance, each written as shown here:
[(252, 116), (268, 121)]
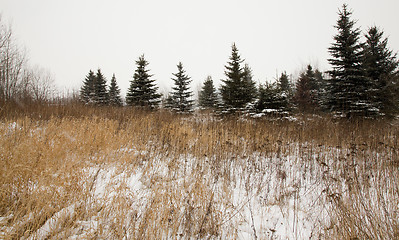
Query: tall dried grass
[(53, 157)]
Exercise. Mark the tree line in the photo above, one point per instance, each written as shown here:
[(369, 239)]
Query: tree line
[(363, 81)]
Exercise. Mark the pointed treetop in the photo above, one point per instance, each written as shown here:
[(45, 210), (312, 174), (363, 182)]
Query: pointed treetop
[(180, 98), (142, 91)]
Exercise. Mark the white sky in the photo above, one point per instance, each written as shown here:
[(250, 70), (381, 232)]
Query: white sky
[(71, 37)]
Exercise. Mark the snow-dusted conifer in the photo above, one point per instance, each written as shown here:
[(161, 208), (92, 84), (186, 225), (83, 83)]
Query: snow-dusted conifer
[(114, 93), (306, 91), (381, 65), (100, 88), (87, 91), (347, 88), (180, 98), (208, 95), (272, 99), (237, 89), (250, 91), (142, 91)]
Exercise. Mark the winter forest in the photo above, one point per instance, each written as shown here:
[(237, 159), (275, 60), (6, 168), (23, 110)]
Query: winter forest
[(363, 81), (315, 156)]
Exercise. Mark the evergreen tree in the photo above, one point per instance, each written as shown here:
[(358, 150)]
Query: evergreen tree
[(303, 97), (208, 95), (380, 66), (250, 91), (320, 89), (237, 89), (347, 88), (142, 91), (284, 83), (272, 99), (306, 91), (100, 89), (114, 93), (168, 101), (181, 94), (87, 91), (284, 92)]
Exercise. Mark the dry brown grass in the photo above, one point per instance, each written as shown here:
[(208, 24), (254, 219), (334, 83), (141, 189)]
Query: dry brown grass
[(190, 168)]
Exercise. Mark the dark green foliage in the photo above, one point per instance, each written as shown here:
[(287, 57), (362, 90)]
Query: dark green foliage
[(284, 91), (238, 88), (320, 89), (307, 91), (249, 91), (272, 99), (100, 88), (94, 89), (87, 91), (380, 66), (284, 83), (180, 98), (142, 91), (114, 93), (348, 86), (167, 102), (208, 95)]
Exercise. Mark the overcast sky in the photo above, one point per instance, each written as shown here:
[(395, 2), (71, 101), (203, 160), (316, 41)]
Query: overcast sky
[(71, 37)]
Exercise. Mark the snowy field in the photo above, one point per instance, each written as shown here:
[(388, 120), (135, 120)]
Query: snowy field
[(191, 178)]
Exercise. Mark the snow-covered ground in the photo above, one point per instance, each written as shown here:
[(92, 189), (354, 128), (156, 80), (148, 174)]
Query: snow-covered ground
[(258, 198), (153, 194)]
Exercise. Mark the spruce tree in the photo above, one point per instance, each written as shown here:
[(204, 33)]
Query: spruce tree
[(319, 92), (303, 97), (168, 101), (114, 93), (306, 91), (237, 88), (380, 65), (87, 91), (347, 88), (208, 95), (181, 94), (249, 91), (272, 99), (100, 88), (142, 91), (284, 92), (284, 83)]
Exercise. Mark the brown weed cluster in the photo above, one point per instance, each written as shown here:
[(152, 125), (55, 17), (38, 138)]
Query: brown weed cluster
[(125, 173)]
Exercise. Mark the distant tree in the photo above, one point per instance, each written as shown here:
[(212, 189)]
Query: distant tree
[(284, 83), (38, 84), (114, 93), (250, 91), (303, 97), (381, 66), (87, 91), (272, 99), (142, 91), (347, 88), (181, 95), (237, 89), (208, 95), (320, 89), (284, 92), (168, 102), (100, 89), (306, 91), (13, 62)]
